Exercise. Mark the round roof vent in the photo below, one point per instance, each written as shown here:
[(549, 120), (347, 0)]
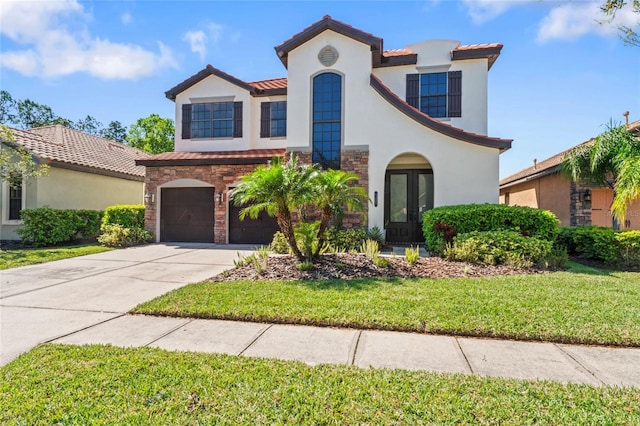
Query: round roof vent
[(328, 56)]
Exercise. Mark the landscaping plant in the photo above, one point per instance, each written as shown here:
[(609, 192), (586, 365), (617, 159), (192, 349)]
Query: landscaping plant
[(123, 226), (412, 255), (48, 227)]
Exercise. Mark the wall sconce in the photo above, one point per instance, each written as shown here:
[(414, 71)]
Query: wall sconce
[(586, 197), (149, 198), (375, 198), (219, 197)]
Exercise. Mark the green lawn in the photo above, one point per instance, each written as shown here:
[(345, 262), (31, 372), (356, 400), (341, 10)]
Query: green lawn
[(24, 257), (582, 305), (107, 385)]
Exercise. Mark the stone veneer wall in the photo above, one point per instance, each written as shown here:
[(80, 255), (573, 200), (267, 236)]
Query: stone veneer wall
[(579, 209), (356, 161), (220, 176)]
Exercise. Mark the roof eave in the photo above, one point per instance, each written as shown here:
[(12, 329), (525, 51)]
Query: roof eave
[(172, 93), (490, 53)]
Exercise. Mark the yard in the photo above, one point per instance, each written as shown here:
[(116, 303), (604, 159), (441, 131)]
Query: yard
[(30, 256), (581, 305), (107, 385)]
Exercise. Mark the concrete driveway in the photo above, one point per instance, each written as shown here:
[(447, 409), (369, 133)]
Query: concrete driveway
[(40, 303)]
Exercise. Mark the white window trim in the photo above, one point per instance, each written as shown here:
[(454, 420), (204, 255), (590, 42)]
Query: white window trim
[(5, 203)]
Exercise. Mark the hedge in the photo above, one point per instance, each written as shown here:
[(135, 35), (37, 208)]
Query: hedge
[(127, 216), (601, 244), (441, 224), (47, 227)]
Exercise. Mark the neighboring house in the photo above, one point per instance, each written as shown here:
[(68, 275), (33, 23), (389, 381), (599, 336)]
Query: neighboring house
[(411, 123), (543, 186), (85, 172)]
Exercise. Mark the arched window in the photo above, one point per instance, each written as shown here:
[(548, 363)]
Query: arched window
[(327, 120)]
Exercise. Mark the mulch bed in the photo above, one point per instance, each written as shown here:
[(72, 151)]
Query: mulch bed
[(352, 266)]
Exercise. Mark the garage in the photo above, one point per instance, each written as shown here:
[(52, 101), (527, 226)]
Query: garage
[(187, 215), (250, 231)]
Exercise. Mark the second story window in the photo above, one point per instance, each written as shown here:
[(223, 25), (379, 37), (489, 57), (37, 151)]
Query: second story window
[(438, 94), (327, 120), (212, 120), (273, 119)]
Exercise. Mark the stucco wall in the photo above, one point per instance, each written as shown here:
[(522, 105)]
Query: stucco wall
[(215, 89), (463, 172), (67, 189), (551, 192)]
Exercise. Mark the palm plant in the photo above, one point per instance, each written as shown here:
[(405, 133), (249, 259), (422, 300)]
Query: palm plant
[(279, 189), (612, 161), (334, 189)]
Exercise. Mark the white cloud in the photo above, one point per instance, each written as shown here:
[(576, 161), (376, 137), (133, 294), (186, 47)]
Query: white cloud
[(201, 40), (126, 18), (482, 11), (53, 49), (198, 42), (573, 20)]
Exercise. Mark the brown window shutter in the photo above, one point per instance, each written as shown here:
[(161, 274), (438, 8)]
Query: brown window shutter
[(413, 90), (455, 94), (186, 121), (265, 119), (237, 119)]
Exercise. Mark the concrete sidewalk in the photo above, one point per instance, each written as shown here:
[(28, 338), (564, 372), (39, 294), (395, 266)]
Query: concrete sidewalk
[(85, 300), (377, 349)]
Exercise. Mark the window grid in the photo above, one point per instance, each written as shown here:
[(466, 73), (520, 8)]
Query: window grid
[(15, 201), (327, 120), (212, 120), (433, 94), (278, 119)]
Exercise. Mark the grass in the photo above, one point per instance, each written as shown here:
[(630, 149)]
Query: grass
[(107, 385), (24, 257), (582, 305)]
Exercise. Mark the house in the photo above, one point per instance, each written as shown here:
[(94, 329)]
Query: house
[(85, 172), (543, 186), (411, 122)]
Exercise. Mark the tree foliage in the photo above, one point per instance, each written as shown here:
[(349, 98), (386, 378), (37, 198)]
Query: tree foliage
[(16, 163), (88, 125), (628, 34), (114, 131), (152, 134), (610, 161)]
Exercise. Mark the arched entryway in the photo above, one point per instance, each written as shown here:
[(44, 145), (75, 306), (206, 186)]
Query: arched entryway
[(408, 193)]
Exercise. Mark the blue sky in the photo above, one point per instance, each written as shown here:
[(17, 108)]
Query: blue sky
[(560, 79)]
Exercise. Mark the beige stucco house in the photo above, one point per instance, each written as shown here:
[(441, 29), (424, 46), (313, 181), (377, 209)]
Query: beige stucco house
[(85, 172), (543, 186), (411, 122)]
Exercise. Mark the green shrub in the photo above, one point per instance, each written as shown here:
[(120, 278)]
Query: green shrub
[(412, 254), (499, 247), (628, 247), (128, 216), (441, 224), (279, 244), (590, 242), (47, 227), (114, 235), (375, 234), (346, 239)]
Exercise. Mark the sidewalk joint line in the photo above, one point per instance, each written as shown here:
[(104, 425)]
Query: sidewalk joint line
[(464, 356), (63, 309), (355, 348), (82, 329), (189, 321), (579, 364), (258, 335)]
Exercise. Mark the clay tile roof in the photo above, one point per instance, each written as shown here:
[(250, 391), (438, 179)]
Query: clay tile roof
[(552, 163), (491, 51), (252, 156), (271, 84), (397, 52), (432, 123), (59, 144), (327, 23)]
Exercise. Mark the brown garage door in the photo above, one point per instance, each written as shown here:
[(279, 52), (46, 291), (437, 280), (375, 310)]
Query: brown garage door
[(186, 215), (250, 231)]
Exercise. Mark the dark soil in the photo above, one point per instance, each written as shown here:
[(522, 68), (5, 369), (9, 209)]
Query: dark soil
[(349, 266)]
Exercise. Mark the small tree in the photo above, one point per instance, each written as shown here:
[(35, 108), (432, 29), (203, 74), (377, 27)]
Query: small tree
[(334, 189), (152, 134), (628, 34), (608, 162), (279, 189), (16, 163)]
